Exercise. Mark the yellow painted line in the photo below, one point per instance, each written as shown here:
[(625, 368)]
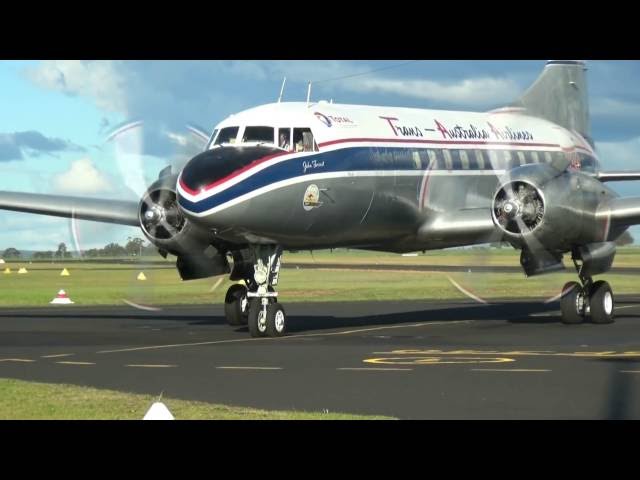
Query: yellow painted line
[(151, 366), (263, 339), (249, 368), (514, 353), (58, 355), (364, 369), (76, 363), (518, 370), (18, 360), (435, 360)]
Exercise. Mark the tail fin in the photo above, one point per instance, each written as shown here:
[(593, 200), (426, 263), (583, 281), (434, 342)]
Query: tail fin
[(560, 96)]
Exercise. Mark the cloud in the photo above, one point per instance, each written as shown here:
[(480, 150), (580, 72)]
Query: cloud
[(481, 91), (99, 80), (81, 178), (13, 146)]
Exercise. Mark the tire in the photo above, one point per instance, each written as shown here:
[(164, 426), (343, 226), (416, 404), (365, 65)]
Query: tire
[(602, 303), (276, 320), (233, 305), (257, 321), (572, 304)]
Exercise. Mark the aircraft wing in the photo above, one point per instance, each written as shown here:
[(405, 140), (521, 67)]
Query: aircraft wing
[(623, 211), (98, 210), (460, 227), (618, 176)]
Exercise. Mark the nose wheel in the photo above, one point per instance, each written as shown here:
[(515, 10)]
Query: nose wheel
[(256, 305)]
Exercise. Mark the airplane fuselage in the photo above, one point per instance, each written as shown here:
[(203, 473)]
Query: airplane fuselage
[(366, 177)]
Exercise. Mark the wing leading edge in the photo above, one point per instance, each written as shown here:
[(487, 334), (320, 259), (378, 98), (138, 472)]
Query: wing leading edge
[(98, 210)]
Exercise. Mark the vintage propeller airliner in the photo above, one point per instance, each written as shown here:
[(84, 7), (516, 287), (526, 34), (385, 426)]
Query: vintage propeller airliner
[(307, 175)]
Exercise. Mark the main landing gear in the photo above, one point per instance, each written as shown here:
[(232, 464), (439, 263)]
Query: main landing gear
[(594, 299), (256, 303)]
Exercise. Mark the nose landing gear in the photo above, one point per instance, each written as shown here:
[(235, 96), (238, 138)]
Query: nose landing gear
[(256, 304)]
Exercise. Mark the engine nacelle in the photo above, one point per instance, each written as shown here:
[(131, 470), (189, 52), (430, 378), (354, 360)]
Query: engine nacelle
[(164, 224), (543, 210)]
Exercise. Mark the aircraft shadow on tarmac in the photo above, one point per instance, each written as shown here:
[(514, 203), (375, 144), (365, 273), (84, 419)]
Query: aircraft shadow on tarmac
[(512, 312)]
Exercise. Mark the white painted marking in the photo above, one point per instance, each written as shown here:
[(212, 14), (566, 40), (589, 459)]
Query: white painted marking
[(263, 339), (146, 308), (466, 292), (151, 366), (58, 355), (628, 306), (18, 360), (629, 371), (76, 363), (249, 368)]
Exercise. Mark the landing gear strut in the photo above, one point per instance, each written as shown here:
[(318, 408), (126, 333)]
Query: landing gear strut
[(586, 298), (256, 304)]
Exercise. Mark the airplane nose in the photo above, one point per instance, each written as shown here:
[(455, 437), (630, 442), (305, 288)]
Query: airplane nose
[(216, 166)]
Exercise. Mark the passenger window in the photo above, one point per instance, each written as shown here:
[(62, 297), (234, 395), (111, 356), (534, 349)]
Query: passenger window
[(433, 159), (303, 140), (493, 160), (464, 159), (547, 157), (416, 160), (284, 138), (480, 159), (534, 157), (227, 135), (258, 134), (448, 161), (521, 158), (506, 155)]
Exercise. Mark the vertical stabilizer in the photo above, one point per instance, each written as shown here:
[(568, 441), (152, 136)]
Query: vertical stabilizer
[(560, 96)]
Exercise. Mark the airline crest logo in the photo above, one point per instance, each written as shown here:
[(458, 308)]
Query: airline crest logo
[(329, 120), (311, 198), (323, 118)]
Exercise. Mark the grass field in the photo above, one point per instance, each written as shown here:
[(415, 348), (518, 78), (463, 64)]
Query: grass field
[(20, 400), (112, 284)]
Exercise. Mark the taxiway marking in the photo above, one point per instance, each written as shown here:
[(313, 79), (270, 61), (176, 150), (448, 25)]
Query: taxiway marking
[(373, 369), (248, 368), (263, 339), (17, 360), (517, 370), (58, 355), (151, 366), (76, 363)]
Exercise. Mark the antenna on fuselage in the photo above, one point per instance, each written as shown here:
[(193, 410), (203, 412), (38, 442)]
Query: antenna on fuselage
[(284, 81), (308, 93)]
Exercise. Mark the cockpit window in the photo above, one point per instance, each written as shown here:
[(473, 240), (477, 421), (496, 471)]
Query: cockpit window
[(303, 140), (227, 135), (258, 134), (211, 139)]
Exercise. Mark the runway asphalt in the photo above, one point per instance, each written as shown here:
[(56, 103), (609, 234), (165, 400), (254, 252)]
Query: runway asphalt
[(419, 360)]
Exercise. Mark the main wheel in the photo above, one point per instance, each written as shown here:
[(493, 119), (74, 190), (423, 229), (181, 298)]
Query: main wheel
[(276, 320), (236, 306), (257, 319), (601, 302), (572, 303)]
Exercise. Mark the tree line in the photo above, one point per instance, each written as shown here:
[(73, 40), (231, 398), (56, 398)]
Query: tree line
[(134, 247)]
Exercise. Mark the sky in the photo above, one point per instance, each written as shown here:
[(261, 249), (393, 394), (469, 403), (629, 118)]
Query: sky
[(61, 122)]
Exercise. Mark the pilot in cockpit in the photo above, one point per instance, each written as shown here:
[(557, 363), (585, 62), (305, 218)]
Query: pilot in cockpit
[(284, 141)]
